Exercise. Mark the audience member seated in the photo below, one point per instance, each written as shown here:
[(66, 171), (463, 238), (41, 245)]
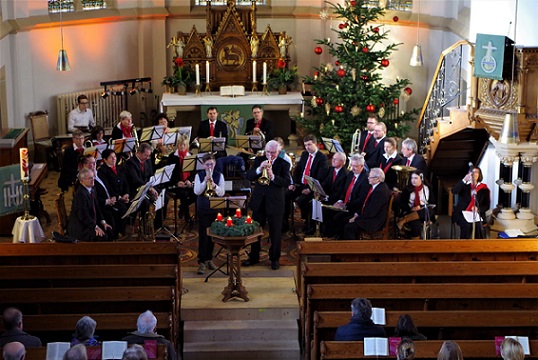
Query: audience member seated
[(450, 351), (77, 352), (147, 325), (411, 158), (406, 350), (13, 330), (511, 349), (86, 221), (405, 327), (361, 324), (373, 214), (413, 205), (182, 182), (70, 161), (14, 351), (84, 331), (135, 352), (388, 160)]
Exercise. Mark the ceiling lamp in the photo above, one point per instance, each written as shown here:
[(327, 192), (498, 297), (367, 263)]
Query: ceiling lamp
[(416, 56), (63, 61)]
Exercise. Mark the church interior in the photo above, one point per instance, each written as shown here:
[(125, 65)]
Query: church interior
[(459, 80)]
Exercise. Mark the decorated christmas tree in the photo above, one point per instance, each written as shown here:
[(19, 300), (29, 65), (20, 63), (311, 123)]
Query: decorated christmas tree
[(352, 85)]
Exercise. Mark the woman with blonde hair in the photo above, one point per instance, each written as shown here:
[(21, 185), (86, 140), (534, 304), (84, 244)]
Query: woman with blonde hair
[(512, 350), (450, 351)]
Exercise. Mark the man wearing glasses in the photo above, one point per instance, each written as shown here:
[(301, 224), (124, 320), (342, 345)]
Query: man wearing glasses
[(81, 117)]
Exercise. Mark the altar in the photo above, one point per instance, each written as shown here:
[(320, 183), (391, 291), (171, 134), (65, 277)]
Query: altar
[(188, 110)]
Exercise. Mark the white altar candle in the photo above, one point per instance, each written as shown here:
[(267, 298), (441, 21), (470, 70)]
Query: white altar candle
[(197, 67), (254, 71), (207, 72), (265, 72)]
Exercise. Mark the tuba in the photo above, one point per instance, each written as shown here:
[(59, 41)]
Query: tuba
[(264, 178), (209, 191)]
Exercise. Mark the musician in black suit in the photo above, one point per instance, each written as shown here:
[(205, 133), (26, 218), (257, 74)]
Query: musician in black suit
[(220, 129), (352, 197), (258, 125), (314, 164), (182, 182), (366, 142), (375, 155), (373, 213), (86, 222), (268, 200), (113, 176), (70, 161), (124, 129), (390, 158), (334, 182), (411, 158)]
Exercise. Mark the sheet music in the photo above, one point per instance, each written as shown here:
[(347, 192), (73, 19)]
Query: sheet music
[(317, 212), (468, 215)]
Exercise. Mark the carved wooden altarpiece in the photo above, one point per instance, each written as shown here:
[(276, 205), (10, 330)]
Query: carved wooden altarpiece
[(227, 46)]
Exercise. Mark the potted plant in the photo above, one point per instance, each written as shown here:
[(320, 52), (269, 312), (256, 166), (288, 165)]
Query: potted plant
[(181, 78), (282, 77)]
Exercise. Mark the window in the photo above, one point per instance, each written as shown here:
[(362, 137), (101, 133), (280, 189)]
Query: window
[(225, 2), (56, 6), (400, 5), (93, 4)]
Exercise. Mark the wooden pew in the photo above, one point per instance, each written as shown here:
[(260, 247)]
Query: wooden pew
[(476, 349), (40, 353), (501, 322), (56, 284)]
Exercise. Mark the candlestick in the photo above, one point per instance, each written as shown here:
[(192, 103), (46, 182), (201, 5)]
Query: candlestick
[(238, 213), (219, 217), (229, 221), (304, 90), (254, 71), (197, 67), (265, 72), (249, 220), (207, 72), (25, 175)]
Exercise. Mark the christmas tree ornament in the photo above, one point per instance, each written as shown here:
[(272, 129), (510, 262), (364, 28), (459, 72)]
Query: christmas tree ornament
[(353, 74), (341, 72), (381, 112), (324, 13), (355, 110), (328, 109), (314, 102), (319, 101), (329, 67), (396, 101), (364, 77), (341, 26), (376, 30), (338, 109), (370, 108), (337, 63), (408, 90), (385, 63), (318, 50), (352, 3), (395, 19), (365, 49)]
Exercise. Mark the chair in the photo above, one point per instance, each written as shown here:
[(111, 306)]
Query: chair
[(382, 234), (62, 213), (39, 122)]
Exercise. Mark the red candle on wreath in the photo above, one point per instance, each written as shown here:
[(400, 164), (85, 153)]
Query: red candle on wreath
[(219, 217), (249, 220), (229, 221), (237, 213)]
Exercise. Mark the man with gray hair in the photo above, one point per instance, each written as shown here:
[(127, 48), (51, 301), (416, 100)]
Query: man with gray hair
[(373, 214), (360, 325), (77, 352), (13, 326), (135, 352), (411, 158), (147, 330), (267, 202), (14, 351), (84, 331)]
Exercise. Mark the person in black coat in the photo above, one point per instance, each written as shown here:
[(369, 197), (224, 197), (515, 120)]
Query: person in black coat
[(360, 325), (390, 158), (334, 182), (373, 214), (113, 176), (220, 129), (375, 155), (411, 158), (182, 182), (70, 161), (258, 125), (267, 201), (366, 143), (12, 319), (86, 221), (314, 164), (124, 129), (473, 195)]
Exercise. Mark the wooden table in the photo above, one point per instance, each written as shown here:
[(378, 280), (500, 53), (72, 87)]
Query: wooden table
[(233, 245)]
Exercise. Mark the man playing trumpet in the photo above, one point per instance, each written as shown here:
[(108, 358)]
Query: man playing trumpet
[(267, 202)]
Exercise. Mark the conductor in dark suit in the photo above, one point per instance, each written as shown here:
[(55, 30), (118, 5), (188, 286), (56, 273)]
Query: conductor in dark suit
[(71, 156), (258, 125), (86, 221), (411, 158), (373, 214), (312, 163), (213, 127), (267, 201)]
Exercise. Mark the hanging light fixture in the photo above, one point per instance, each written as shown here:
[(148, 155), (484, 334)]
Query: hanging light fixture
[(63, 61), (416, 56)]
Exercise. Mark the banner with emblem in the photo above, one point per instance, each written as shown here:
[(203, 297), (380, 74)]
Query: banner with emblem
[(12, 190)]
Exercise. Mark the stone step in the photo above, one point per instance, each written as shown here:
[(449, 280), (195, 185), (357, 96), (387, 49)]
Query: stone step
[(240, 330), (259, 350), (285, 313)]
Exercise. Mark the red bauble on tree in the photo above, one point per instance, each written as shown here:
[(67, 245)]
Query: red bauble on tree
[(396, 101), (364, 77), (318, 50), (376, 30), (341, 26), (319, 101), (385, 63), (338, 108), (341, 72), (408, 90), (395, 19), (352, 3), (365, 49), (337, 63), (370, 108)]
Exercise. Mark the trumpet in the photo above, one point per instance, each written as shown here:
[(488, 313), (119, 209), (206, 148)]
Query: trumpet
[(209, 191), (264, 178)]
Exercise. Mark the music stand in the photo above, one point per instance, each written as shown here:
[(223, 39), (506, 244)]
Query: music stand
[(212, 145), (227, 203), (193, 163), (152, 133), (123, 145), (249, 141), (162, 176), (317, 189), (332, 145), (182, 130)]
